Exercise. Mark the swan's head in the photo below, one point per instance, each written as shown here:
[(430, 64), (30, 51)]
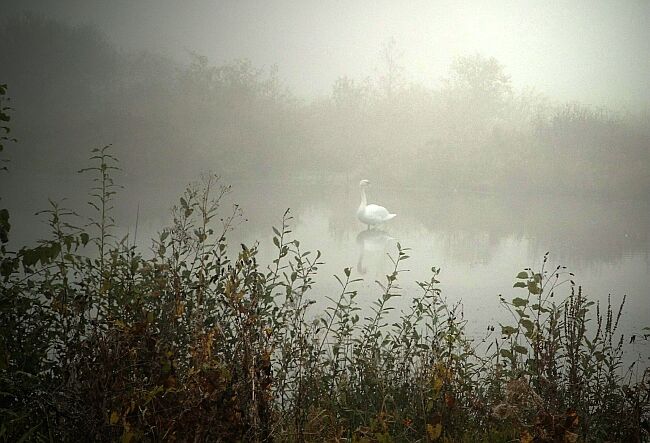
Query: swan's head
[(364, 183)]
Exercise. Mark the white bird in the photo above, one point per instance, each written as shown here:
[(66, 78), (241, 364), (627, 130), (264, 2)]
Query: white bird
[(371, 215)]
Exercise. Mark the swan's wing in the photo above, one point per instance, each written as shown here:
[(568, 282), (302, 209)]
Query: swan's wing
[(377, 212)]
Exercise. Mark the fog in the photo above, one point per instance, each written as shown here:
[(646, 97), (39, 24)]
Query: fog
[(593, 52), (496, 132)]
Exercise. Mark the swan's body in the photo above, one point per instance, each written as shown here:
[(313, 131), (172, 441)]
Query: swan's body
[(371, 215)]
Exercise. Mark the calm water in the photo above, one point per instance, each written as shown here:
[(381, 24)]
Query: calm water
[(480, 241)]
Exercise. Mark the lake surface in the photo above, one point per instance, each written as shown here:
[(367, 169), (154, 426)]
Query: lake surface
[(480, 241)]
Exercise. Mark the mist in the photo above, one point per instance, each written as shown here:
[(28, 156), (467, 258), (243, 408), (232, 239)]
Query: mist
[(312, 99), (582, 51), (496, 132)]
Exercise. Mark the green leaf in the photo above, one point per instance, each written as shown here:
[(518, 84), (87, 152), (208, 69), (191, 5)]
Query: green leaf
[(533, 288), (528, 324), (519, 284), (67, 240), (519, 302), (508, 330), (30, 257), (520, 349), (540, 308), (5, 226), (522, 274)]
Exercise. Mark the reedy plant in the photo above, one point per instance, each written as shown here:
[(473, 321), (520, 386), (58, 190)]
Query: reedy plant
[(569, 360), (199, 342)]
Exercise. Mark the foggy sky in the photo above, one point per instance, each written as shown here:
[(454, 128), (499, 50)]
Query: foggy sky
[(594, 52)]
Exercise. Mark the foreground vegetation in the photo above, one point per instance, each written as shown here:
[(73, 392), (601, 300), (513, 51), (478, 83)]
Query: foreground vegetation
[(197, 342)]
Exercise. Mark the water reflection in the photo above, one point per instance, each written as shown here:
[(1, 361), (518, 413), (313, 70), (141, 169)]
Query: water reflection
[(480, 241), (469, 227), (373, 246)]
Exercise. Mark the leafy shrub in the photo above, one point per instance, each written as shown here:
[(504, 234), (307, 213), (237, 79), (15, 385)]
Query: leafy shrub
[(199, 342)]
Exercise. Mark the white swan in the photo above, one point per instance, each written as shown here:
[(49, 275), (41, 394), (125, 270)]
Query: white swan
[(371, 215)]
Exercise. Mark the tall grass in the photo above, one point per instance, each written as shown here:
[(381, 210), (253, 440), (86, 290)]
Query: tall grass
[(197, 342)]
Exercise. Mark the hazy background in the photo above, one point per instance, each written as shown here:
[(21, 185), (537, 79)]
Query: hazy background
[(595, 52), (496, 131)]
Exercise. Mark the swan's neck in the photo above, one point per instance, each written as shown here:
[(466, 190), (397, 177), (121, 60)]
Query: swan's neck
[(364, 201)]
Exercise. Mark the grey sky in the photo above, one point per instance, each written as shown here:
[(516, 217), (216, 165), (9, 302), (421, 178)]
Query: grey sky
[(595, 52)]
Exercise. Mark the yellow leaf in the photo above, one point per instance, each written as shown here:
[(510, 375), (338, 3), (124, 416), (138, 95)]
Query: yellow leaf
[(437, 384), (570, 437), (526, 437), (105, 286), (434, 431), (115, 417), (180, 308)]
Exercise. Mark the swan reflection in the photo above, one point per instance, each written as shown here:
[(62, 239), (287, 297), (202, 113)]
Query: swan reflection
[(373, 246)]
